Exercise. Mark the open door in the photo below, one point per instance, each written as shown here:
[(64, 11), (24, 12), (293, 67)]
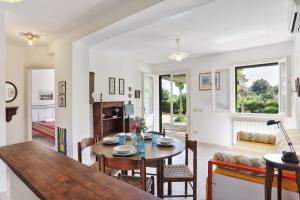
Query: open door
[(148, 101)]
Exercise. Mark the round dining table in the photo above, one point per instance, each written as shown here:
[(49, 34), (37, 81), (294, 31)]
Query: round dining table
[(153, 154)]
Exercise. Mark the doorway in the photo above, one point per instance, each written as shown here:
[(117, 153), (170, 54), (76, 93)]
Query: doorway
[(173, 101), (42, 107)]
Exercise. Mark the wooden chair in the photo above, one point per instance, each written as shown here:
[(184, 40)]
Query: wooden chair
[(142, 182), (88, 142), (182, 173)]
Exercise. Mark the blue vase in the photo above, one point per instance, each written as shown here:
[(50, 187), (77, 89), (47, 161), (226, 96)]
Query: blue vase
[(137, 138)]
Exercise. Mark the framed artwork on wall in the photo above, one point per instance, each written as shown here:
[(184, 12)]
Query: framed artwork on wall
[(205, 82), (62, 100), (121, 86), (45, 95), (62, 89), (137, 94), (112, 85)]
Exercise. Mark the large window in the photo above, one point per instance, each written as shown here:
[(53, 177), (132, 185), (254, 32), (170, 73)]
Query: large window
[(258, 89)]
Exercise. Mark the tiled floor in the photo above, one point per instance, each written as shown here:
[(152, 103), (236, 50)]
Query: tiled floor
[(205, 152)]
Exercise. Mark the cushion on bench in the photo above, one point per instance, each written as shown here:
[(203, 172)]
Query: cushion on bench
[(256, 137)]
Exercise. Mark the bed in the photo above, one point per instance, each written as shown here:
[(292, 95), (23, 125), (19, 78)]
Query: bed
[(45, 128), (43, 120)]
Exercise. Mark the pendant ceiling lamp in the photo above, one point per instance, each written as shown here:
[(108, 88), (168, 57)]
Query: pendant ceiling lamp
[(178, 55)]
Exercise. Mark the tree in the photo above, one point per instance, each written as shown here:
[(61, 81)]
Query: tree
[(180, 86), (165, 96), (260, 87)]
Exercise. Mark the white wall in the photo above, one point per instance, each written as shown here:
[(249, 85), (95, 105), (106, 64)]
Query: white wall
[(203, 124), (65, 49), (116, 66), (42, 80), (3, 186), (19, 59)]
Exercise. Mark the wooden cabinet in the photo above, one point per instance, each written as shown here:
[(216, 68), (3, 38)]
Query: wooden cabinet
[(108, 118)]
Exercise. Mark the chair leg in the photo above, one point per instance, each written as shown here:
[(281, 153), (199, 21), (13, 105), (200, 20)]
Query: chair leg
[(169, 188), (194, 191), (185, 187)]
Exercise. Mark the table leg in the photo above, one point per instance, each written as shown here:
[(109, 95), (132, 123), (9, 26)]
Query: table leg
[(160, 174), (279, 184), (169, 183), (298, 181), (269, 181)]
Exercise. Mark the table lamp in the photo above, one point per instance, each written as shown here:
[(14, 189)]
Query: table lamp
[(287, 156)]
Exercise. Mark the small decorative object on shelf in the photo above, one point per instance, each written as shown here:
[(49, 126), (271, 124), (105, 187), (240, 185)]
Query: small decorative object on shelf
[(138, 127), (291, 156)]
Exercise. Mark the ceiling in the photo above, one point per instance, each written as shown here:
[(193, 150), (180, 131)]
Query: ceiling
[(51, 18), (220, 26)]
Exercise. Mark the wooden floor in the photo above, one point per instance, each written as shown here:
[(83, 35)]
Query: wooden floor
[(205, 152)]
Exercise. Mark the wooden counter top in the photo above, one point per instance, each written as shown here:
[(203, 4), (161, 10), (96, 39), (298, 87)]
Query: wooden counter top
[(53, 176)]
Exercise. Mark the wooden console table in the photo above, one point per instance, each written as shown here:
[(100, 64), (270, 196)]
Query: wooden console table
[(274, 161), (10, 112)]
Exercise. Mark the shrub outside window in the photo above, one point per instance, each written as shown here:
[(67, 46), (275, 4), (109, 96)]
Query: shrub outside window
[(258, 88)]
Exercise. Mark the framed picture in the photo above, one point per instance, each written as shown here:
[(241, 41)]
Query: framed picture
[(62, 100), (45, 95), (62, 89), (205, 82), (137, 94), (112, 85), (121, 86)]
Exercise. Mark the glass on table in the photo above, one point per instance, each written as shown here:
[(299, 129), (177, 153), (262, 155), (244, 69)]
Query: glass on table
[(122, 139), (154, 138), (142, 146)]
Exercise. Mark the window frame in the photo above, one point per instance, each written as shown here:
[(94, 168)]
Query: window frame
[(236, 82)]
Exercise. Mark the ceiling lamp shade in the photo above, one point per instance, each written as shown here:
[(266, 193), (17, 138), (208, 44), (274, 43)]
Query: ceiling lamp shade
[(11, 1), (178, 55)]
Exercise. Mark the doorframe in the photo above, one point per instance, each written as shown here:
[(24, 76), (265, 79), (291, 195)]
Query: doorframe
[(154, 97), (188, 96), (28, 92)]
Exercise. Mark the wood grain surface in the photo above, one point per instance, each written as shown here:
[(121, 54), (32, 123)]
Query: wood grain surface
[(53, 176)]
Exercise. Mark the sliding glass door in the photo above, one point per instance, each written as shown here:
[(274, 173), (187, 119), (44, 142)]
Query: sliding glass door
[(173, 103)]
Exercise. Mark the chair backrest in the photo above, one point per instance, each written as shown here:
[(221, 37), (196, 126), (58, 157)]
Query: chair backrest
[(84, 143), (124, 164), (191, 145)]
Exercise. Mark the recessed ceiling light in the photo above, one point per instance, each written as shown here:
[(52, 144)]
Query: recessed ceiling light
[(11, 1)]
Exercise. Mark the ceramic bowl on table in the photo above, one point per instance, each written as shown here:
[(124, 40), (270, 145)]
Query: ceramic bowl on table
[(165, 141), (124, 150), (147, 136), (111, 140)]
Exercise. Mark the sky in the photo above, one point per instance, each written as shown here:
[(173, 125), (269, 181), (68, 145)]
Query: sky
[(270, 73)]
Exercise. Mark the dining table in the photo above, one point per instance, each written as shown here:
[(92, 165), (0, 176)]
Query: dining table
[(154, 153)]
